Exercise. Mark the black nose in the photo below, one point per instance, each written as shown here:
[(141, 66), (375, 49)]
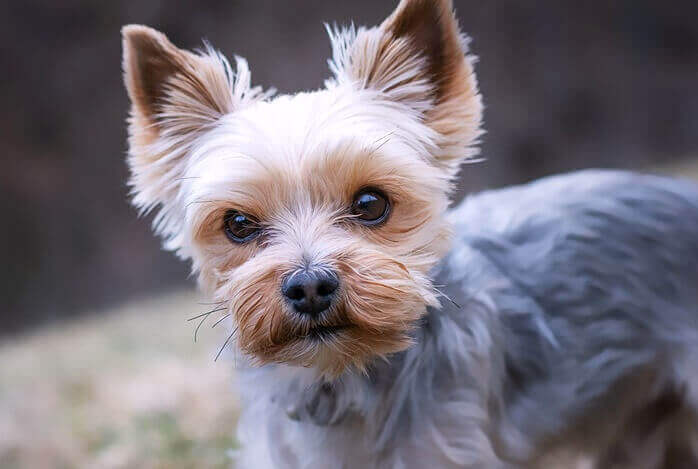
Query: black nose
[(310, 291)]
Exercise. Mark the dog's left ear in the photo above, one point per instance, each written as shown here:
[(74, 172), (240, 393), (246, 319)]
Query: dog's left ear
[(176, 96), (418, 57)]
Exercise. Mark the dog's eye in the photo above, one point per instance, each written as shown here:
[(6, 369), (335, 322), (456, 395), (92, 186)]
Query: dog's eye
[(370, 206), (239, 227)]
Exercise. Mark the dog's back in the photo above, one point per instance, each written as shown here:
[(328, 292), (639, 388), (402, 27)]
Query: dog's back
[(597, 296)]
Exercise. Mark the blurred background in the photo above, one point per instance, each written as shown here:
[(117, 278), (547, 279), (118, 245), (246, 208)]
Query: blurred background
[(93, 310)]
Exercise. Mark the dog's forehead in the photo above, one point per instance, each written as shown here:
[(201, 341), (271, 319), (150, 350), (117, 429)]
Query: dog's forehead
[(299, 121), (293, 135)]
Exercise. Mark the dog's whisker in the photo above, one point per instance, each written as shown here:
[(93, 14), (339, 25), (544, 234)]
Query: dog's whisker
[(475, 160), (198, 326), (225, 344), (206, 313), (448, 297), (220, 320), (213, 303)]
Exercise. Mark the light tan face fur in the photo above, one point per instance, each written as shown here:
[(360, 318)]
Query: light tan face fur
[(399, 115)]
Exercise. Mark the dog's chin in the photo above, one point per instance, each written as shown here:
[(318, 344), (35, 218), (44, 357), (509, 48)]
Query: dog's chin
[(322, 333), (333, 349)]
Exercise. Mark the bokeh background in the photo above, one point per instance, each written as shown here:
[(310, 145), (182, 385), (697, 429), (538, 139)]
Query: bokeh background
[(567, 85)]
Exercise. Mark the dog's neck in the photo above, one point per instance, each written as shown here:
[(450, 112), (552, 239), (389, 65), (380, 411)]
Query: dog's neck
[(389, 389)]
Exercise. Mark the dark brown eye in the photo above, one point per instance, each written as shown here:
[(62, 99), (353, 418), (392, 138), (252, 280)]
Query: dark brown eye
[(240, 228), (370, 206)]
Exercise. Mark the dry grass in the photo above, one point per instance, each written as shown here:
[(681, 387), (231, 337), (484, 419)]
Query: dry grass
[(124, 389)]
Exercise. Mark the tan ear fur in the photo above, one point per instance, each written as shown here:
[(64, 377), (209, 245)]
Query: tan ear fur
[(418, 56), (176, 96), (165, 82)]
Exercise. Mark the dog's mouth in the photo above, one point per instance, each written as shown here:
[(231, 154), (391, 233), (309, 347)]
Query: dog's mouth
[(320, 332)]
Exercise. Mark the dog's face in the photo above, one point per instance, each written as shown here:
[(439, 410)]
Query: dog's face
[(313, 218)]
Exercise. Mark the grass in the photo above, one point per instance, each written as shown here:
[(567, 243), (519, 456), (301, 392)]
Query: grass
[(129, 388)]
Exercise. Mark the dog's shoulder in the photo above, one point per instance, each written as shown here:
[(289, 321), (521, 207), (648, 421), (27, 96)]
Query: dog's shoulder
[(617, 215), (586, 244), (582, 196)]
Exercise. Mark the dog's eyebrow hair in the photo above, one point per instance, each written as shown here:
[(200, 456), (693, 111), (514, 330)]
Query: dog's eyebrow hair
[(386, 139), (389, 134), (203, 202)]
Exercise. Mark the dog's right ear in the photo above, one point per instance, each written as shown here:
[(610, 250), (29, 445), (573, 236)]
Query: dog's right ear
[(176, 95)]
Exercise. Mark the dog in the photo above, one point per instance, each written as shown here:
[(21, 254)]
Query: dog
[(374, 327)]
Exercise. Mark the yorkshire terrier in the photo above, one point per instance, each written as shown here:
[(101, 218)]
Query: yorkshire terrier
[(376, 328)]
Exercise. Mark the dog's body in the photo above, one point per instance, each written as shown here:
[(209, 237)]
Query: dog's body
[(374, 328), (574, 311)]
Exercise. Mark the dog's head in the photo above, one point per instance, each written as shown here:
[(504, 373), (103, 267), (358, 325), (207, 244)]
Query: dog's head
[(314, 217)]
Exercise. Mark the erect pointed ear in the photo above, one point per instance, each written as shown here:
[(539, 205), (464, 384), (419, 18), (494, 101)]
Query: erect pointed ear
[(176, 95), (167, 84), (418, 57)]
